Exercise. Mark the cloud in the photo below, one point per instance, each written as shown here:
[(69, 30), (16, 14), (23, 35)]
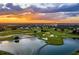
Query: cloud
[(49, 10), (54, 7), (13, 7), (10, 7), (55, 16), (41, 7)]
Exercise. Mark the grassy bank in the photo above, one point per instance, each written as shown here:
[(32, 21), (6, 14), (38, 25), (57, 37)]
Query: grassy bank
[(50, 33), (5, 53), (75, 52)]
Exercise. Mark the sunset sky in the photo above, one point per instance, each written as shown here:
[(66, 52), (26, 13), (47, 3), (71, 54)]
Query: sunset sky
[(39, 12)]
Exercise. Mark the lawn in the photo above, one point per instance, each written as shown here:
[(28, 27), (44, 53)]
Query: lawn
[(75, 52), (50, 34), (5, 53)]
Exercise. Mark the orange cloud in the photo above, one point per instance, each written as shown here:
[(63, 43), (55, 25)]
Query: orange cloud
[(70, 20), (30, 18)]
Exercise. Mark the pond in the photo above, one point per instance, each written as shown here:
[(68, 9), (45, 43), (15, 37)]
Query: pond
[(35, 46)]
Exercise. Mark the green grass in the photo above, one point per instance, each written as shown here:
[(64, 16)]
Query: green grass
[(58, 34), (5, 53), (11, 32), (75, 52), (55, 41), (7, 38), (39, 34)]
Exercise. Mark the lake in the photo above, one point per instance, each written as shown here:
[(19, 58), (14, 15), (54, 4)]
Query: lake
[(35, 46)]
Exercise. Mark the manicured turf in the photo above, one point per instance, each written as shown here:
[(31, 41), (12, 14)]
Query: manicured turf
[(5, 53), (75, 52), (40, 34)]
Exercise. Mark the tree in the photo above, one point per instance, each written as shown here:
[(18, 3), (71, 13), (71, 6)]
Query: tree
[(55, 29), (74, 31), (43, 30), (2, 29), (35, 31), (62, 29)]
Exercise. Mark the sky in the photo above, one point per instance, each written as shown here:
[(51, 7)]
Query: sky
[(67, 9), (41, 7), (49, 12), (39, 1)]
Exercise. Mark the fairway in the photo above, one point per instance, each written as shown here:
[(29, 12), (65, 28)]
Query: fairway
[(48, 33)]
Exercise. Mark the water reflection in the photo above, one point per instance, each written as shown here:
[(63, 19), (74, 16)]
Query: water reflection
[(16, 41), (69, 46), (75, 38), (32, 45), (4, 42), (38, 51), (25, 46)]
